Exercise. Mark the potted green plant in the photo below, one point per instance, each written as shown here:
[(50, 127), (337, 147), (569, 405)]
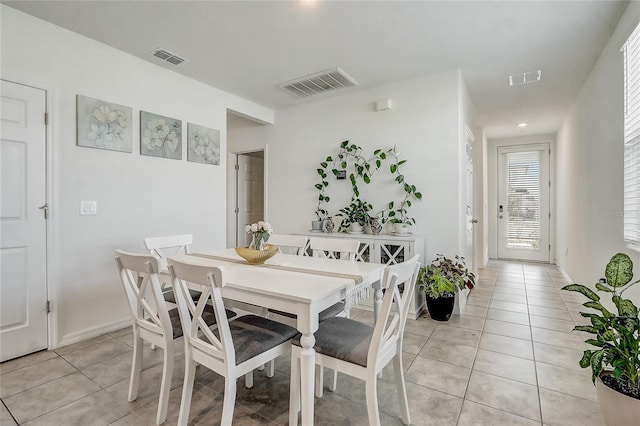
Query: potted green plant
[(615, 357), (355, 216), (440, 281)]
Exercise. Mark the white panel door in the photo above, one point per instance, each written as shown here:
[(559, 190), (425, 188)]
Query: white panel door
[(23, 286), (250, 205), (523, 202)]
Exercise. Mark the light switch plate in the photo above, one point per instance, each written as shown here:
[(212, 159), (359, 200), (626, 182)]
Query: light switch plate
[(88, 208)]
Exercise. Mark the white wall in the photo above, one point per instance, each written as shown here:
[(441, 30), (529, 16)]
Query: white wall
[(137, 196), (423, 124), (590, 168)]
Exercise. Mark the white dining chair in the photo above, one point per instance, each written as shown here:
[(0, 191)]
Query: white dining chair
[(289, 244), (362, 351), (334, 248), (163, 247), (232, 349), (153, 321), (329, 248)]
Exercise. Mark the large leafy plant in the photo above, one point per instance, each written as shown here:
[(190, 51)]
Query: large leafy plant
[(443, 277), (615, 336)]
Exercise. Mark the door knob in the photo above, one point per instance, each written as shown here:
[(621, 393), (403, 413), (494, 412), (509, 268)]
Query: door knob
[(474, 220), (500, 216)]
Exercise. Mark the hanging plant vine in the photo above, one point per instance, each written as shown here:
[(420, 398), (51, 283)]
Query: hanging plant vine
[(364, 168)]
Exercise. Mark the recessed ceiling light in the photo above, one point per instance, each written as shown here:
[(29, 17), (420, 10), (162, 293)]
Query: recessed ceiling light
[(523, 124)]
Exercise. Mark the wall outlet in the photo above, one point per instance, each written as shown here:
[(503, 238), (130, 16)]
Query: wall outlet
[(88, 208)]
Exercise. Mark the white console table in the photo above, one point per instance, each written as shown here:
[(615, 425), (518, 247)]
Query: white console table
[(388, 249)]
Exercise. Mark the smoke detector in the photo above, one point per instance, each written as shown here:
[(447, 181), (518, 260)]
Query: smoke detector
[(167, 56), (317, 83)]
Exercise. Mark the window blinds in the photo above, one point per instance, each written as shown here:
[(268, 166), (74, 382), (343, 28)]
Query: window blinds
[(523, 199), (631, 52)]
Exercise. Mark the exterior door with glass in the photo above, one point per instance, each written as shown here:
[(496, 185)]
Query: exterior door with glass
[(523, 202)]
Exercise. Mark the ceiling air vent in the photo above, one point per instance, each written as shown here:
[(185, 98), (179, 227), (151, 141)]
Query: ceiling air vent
[(320, 82), (525, 78), (167, 56)]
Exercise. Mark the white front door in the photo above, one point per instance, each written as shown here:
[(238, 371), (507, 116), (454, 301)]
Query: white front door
[(250, 205), (23, 255), (469, 220), (523, 202)]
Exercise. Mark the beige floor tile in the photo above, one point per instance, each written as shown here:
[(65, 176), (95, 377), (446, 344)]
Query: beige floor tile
[(515, 298), (333, 409), (562, 409), (504, 394), (543, 289), (550, 313), (551, 323), (478, 292), (34, 375), (557, 338), (507, 345), (556, 355), (25, 361), (96, 353), (47, 397), (509, 329), (474, 414), (545, 295), (566, 380), (427, 407), (83, 344), (546, 303), (510, 290), (466, 321), (441, 376), (118, 368), (475, 311), (508, 284), (413, 343), (422, 326), (507, 366), (99, 408), (457, 335), (506, 316), (508, 306), (5, 417), (478, 301), (445, 351)]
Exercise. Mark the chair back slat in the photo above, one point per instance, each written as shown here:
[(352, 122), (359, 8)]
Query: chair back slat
[(389, 332), (289, 244), (334, 248), (170, 245), (197, 333), (139, 276)]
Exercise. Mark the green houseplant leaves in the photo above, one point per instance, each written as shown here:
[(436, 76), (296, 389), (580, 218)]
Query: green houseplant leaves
[(616, 336)]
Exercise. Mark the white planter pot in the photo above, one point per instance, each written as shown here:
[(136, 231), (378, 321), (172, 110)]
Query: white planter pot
[(401, 228), (355, 227), (617, 409)]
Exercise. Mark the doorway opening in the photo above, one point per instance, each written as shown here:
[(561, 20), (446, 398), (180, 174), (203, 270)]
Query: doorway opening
[(249, 189)]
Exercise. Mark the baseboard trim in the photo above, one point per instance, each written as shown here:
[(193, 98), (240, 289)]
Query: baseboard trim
[(90, 333)]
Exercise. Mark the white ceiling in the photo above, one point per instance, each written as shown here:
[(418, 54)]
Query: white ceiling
[(249, 47)]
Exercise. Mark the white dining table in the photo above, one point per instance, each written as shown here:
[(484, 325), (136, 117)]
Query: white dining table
[(300, 285)]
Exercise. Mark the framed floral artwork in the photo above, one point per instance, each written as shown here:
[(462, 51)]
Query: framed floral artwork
[(203, 144), (160, 136), (103, 125)]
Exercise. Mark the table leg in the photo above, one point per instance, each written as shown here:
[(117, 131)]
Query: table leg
[(307, 368)]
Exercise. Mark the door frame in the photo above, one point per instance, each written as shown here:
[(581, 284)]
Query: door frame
[(232, 190), (50, 200), (492, 196)]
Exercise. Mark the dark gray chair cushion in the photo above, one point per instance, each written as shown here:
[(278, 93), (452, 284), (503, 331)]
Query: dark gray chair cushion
[(253, 335), (169, 296), (208, 316), (342, 338), (330, 312)]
